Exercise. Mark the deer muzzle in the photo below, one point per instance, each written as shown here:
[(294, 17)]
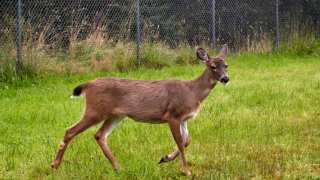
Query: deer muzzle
[(224, 79)]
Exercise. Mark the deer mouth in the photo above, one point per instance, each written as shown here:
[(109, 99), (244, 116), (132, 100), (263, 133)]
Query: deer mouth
[(225, 84)]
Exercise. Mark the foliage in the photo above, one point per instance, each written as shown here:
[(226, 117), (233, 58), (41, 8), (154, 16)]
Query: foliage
[(87, 56), (302, 45)]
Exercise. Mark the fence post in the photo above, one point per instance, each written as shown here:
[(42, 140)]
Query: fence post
[(138, 37), (213, 24), (18, 39), (277, 25)]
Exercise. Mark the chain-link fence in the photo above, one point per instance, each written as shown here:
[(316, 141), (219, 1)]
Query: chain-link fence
[(242, 24)]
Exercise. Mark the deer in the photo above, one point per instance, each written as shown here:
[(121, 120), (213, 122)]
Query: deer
[(110, 99)]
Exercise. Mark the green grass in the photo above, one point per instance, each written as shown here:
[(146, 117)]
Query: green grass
[(264, 125)]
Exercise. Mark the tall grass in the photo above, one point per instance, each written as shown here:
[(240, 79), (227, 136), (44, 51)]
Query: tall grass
[(8, 71), (98, 52), (301, 44)]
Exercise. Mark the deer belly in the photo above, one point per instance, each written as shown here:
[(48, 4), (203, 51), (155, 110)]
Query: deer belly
[(147, 120), (151, 117)]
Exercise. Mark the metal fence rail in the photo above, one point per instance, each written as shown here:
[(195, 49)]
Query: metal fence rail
[(55, 24)]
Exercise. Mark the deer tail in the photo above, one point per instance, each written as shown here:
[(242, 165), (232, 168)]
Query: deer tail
[(77, 91)]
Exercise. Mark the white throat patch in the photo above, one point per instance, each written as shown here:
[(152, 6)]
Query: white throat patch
[(193, 114), (212, 81)]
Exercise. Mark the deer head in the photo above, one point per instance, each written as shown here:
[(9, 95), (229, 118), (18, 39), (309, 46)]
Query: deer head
[(217, 64)]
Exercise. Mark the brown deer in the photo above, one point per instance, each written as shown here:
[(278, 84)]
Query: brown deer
[(109, 100)]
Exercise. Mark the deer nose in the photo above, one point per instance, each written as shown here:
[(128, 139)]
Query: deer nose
[(225, 79)]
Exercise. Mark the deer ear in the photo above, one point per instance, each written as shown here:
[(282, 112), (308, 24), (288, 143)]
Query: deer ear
[(223, 52), (202, 54)]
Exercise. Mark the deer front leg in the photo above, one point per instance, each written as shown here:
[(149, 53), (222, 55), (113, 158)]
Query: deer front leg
[(186, 141), (175, 127), (101, 137)]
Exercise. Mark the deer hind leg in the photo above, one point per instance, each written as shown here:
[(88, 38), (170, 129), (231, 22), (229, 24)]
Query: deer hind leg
[(101, 137), (186, 141), (175, 127), (86, 121)]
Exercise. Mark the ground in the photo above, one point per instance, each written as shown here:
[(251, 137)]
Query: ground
[(264, 125)]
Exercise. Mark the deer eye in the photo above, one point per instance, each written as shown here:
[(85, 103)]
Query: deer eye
[(226, 66)]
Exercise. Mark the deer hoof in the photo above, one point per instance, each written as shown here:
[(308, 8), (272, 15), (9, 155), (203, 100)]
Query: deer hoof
[(187, 172), (164, 159), (54, 165), (117, 167)]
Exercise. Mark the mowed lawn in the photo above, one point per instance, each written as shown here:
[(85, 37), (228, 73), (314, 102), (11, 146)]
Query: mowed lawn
[(264, 125)]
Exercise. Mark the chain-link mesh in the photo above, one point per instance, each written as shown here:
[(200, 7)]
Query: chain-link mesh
[(299, 18), (58, 22), (242, 24), (176, 22), (7, 23)]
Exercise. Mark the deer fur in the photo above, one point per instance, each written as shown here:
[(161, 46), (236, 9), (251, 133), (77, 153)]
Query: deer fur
[(110, 99)]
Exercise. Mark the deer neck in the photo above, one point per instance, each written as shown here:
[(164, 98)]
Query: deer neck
[(202, 85)]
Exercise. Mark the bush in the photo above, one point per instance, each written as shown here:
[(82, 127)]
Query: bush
[(302, 45), (106, 55), (8, 70)]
